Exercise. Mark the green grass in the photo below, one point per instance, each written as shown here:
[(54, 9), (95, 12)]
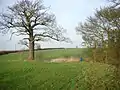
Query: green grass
[(53, 76), (48, 54), (36, 75)]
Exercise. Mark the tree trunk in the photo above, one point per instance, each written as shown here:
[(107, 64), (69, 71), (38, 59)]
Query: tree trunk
[(31, 47)]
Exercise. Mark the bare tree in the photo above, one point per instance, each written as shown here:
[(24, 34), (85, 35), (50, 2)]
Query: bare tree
[(32, 20), (38, 46), (24, 42)]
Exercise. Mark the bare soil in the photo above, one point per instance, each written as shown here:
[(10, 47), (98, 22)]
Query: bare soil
[(71, 59)]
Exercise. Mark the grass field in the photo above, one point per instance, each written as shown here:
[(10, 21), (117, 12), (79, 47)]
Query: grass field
[(48, 54), (36, 75)]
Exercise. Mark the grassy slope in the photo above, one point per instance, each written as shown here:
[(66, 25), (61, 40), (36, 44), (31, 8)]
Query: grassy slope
[(35, 75), (48, 54)]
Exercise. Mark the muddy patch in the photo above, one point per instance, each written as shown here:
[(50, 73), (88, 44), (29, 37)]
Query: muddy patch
[(71, 59)]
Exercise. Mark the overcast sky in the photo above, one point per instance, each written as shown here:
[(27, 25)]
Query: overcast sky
[(68, 12)]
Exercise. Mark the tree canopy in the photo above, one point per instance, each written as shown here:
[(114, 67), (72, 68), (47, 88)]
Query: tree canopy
[(103, 31), (32, 20)]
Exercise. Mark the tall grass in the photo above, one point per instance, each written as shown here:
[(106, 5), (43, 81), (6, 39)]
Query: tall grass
[(17, 74), (53, 76)]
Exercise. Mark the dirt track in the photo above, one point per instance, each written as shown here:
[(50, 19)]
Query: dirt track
[(71, 59)]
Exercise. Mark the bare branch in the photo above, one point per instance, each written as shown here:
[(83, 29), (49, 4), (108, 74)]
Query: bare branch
[(31, 19), (23, 42)]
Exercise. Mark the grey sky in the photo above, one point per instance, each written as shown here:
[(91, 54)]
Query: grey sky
[(68, 13)]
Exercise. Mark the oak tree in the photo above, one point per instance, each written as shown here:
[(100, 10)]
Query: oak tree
[(32, 20)]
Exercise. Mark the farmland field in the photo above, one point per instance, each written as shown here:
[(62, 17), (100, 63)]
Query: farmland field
[(48, 54), (17, 74)]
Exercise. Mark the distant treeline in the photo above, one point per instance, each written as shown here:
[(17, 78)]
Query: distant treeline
[(14, 51), (49, 48), (11, 51)]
